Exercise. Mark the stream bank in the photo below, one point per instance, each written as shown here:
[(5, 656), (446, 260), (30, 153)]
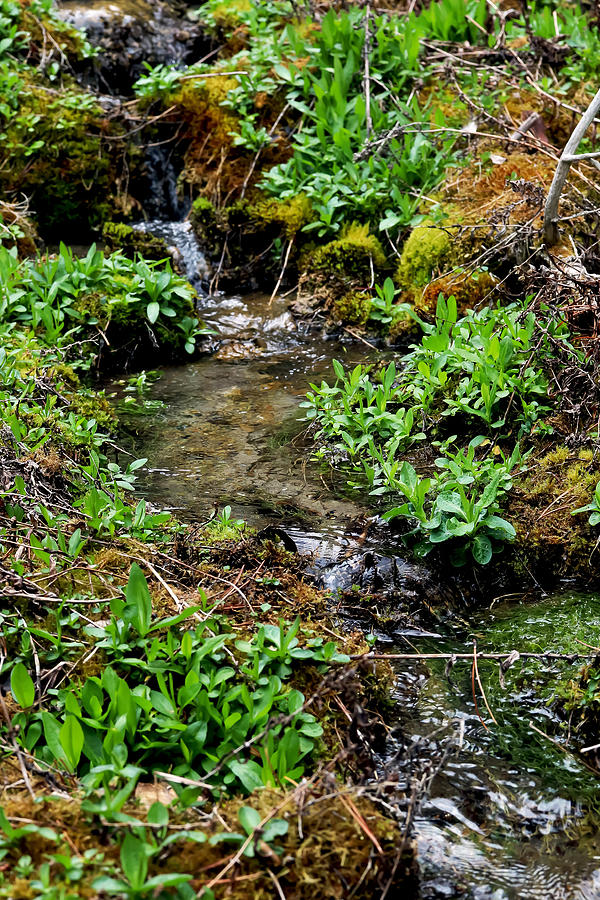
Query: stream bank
[(510, 814), (106, 595)]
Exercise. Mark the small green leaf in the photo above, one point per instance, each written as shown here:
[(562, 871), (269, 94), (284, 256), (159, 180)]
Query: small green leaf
[(158, 814), (71, 741), (138, 608), (134, 861), (22, 687), (249, 819), (153, 311), (481, 548)]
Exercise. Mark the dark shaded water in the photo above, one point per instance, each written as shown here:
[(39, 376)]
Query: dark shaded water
[(510, 815)]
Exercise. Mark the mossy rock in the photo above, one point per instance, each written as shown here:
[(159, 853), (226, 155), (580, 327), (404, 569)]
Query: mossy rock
[(335, 273), (127, 335), (353, 308), (130, 241), (204, 213), (70, 173), (228, 15), (423, 254), (290, 215), (238, 237), (355, 254), (552, 543)]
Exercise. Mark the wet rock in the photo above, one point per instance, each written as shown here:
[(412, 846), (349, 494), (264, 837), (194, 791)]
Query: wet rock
[(131, 32), (399, 592)]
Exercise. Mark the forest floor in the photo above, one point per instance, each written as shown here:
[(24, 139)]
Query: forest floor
[(183, 714)]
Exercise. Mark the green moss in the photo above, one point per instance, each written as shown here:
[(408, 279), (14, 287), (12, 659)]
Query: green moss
[(550, 540), (290, 215), (94, 405), (66, 168), (469, 289), (423, 253), (204, 214), (355, 254), (354, 307), (118, 236), (228, 15)]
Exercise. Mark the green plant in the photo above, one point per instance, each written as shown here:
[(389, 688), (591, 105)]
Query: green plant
[(593, 508), (384, 310), (134, 863), (180, 700), (463, 506)]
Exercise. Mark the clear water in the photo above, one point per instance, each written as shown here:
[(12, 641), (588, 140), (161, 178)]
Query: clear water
[(231, 430), (510, 816), (180, 238)]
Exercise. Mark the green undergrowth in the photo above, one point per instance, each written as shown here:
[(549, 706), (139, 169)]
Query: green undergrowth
[(284, 114), (130, 659), (60, 147), (107, 306), (440, 435)]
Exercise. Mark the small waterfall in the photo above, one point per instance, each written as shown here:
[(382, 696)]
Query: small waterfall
[(180, 238), (161, 171)]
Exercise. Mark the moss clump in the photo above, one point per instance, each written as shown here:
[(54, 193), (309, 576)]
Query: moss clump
[(227, 16), (290, 214), (212, 165), (118, 236), (355, 254), (94, 405), (204, 214), (354, 308), (334, 272), (550, 539), (423, 254)]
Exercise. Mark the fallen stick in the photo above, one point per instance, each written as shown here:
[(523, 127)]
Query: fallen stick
[(568, 157), (569, 657)]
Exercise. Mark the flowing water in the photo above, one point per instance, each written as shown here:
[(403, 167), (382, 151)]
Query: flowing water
[(510, 816)]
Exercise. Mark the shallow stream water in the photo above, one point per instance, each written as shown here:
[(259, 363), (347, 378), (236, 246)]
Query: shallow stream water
[(510, 815)]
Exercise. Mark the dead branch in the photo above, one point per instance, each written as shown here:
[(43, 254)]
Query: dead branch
[(568, 157)]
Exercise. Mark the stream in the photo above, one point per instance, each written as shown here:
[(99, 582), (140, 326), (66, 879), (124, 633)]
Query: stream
[(510, 815)]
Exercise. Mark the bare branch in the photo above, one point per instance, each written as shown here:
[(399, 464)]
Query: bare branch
[(551, 230)]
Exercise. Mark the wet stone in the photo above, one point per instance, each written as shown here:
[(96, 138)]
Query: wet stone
[(129, 33)]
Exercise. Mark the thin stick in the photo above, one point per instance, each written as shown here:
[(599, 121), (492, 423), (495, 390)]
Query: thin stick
[(236, 858), (360, 338), (282, 273), (569, 657), (473, 688), (367, 75), (476, 670), (16, 747)]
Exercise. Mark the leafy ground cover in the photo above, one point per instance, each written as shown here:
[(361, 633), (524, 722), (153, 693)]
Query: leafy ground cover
[(477, 390), (396, 166), (156, 677), (171, 727), (325, 119)]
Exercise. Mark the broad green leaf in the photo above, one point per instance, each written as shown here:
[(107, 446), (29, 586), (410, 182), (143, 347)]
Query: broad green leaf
[(153, 311), (158, 814), (134, 861), (22, 687), (71, 741), (138, 609), (249, 819), (481, 548)]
